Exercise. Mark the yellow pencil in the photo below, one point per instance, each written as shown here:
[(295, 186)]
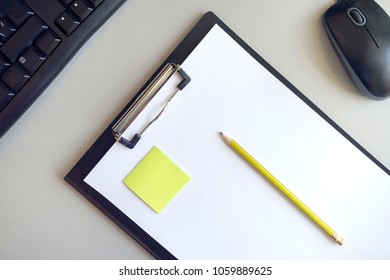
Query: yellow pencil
[(282, 188)]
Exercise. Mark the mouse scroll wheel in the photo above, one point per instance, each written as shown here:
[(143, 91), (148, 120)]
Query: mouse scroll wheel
[(356, 16)]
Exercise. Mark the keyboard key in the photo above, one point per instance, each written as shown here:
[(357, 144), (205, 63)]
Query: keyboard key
[(66, 3), (95, 3), (15, 11), (6, 30), (5, 96), (23, 38), (3, 65), (67, 23), (47, 10), (31, 60), (81, 10), (47, 43), (15, 78)]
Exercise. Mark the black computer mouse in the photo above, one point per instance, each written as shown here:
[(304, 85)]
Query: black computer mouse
[(359, 31)]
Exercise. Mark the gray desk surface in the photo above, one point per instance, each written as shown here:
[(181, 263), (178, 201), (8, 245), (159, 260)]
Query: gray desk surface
[(42, 217)]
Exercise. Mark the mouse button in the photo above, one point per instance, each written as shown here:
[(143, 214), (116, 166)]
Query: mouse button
[(336, 20), (349, 38), (336, 10), (378, 25)]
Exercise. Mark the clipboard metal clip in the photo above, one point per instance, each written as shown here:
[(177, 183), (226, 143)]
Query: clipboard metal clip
[(143, 99)]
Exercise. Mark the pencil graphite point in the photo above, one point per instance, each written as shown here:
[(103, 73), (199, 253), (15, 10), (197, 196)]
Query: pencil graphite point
[(223, 136)]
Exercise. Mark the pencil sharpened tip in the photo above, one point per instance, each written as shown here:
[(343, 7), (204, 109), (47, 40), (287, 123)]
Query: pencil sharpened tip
[(225, 138)]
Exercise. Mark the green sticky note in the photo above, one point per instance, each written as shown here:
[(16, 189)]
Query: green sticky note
[(156, 179)]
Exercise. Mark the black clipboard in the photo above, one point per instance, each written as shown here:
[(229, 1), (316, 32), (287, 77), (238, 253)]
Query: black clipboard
[(106, 140)]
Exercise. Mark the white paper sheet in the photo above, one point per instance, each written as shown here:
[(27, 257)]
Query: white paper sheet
[(228, 210)]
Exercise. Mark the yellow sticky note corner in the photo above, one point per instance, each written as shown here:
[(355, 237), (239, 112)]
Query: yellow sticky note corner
[(156, 179)]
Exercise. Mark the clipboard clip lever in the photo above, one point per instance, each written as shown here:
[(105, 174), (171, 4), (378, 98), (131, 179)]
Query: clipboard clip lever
[(142, 101)]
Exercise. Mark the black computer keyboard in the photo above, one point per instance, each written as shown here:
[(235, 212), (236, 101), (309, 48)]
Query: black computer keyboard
[(37, 39)]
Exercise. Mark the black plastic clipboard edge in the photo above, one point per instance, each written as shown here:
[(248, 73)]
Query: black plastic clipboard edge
[(88, 161)]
